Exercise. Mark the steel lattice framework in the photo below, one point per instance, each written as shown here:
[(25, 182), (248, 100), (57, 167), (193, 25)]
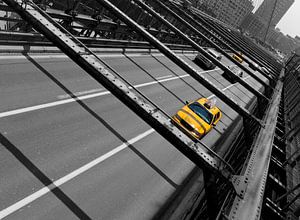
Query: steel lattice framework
[(235, 186)]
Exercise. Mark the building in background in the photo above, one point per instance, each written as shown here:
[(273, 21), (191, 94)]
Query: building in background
[(252, 25), (262, 23), (287, 44), (230, 12), (273, 10), (275, 35), (3, 23)]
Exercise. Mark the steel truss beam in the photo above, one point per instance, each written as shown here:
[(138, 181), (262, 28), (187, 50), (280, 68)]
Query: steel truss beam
[(37, 39), (215, 41), (290, 204), (180, 62), (189, 27), (253, 182), (237, 43), (292, 87), (90, 24), (201, 155), (176, 30), (228, 36), (85, 18), (238, 37), (247, 45)]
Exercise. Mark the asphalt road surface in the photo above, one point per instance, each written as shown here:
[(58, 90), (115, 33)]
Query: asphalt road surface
[(63, 157)]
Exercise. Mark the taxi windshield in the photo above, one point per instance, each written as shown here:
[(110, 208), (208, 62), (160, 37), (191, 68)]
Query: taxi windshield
[(201, 112)]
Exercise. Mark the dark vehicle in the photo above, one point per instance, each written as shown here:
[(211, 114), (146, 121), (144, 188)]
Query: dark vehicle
[(254, 66), (236, 70), (203, 62), (266, 71), (215, 54)]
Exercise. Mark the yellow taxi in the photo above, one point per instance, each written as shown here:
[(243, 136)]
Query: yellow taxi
[(238, 57), (196, 119)]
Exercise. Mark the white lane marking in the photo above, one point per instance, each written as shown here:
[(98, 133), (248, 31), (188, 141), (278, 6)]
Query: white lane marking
[(48, 105), (16, 206), (163, 77), (118, 55), (61, 102), (79, 93), (61, 56), (159, 81), (213, 95)]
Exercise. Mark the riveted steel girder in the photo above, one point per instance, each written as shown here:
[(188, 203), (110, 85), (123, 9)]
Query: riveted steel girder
[(248, 48), (247, 205), (199, 49), (188, 21), (257, 54), (118, 86), (180, 62)]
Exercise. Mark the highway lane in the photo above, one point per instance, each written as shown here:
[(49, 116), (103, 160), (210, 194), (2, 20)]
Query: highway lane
[(60, 139), (28, 81)]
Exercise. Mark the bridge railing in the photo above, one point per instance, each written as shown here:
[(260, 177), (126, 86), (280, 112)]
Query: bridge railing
[(292, 137)]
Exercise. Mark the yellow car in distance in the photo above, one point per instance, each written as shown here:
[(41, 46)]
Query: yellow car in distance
[(196, 119), (238, 57)]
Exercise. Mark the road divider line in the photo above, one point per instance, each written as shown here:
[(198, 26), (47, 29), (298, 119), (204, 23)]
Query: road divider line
[(61, 102), (53, 56), (163, 77), (56, 56), (70, 100), (64, 96), (18, 205), (48, 105), (213, 95)]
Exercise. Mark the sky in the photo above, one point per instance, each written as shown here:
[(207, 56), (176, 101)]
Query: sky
[(289, 22)]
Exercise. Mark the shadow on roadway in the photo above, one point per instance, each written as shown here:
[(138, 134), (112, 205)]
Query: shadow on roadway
[(47, 182), (193, 88), (173, 72), (44, 179), (101, 120), (152, 77)]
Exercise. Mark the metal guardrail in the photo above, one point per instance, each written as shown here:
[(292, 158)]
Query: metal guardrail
[(253, 181), (291, 202), (150, 10), (248, 48), (213, 40), (36, 39), (282, 181)]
